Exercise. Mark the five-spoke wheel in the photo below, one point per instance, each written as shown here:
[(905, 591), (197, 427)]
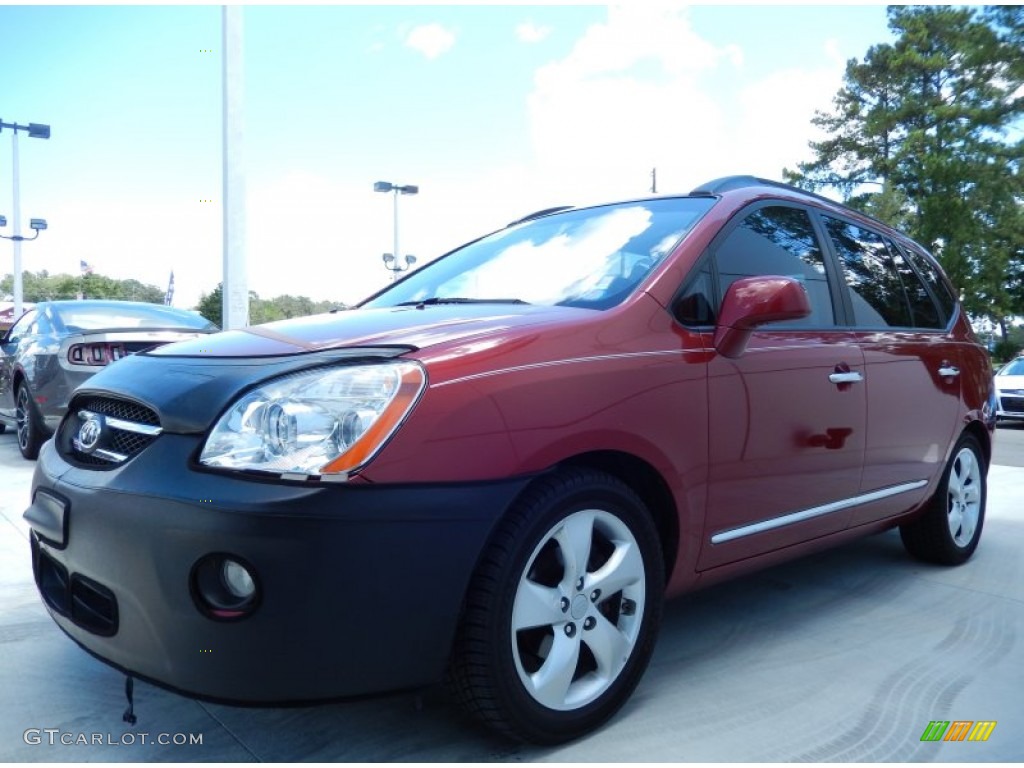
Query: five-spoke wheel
[(948, 530), (30, 436), (577, 610), (561, 617)]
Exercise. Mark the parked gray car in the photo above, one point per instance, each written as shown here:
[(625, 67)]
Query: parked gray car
[(59, 344)]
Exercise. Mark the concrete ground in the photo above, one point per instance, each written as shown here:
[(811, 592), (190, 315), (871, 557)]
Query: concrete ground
[(842, 656)]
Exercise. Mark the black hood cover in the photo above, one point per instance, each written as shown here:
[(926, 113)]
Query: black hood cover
[(188, 394)]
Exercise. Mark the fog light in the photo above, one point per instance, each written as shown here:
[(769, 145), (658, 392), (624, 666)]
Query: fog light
[(224, 587), (237, 579)]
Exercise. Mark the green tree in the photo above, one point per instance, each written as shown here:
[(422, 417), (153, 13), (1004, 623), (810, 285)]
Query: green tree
[(42, 286), (264, 310), (925, 125), (211, 305)]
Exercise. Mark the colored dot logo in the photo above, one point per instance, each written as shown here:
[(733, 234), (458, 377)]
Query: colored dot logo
[(206, 50), (206, 650), (205, 200), (206, 501)]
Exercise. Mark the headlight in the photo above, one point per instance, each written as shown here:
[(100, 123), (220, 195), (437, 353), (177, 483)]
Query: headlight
[(327, 421)]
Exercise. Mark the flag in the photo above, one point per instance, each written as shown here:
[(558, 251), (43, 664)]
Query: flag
[(169, 296), (86, 267)]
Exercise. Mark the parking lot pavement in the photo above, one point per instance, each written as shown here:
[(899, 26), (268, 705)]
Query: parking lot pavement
[(842, 656)]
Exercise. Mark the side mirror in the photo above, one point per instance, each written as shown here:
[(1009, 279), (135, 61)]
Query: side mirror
[(752, 302)]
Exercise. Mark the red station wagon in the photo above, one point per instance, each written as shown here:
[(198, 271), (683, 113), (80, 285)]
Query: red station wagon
[(497, 468)]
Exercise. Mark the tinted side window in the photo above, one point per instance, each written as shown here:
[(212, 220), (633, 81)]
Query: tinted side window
[(928, 271), (778, 241), (923, 310), (875, 287)]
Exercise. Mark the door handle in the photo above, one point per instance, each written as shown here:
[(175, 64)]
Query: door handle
[(845, 377), (949, 370)]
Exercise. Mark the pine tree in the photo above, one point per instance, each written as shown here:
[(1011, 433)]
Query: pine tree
[(921, 135)]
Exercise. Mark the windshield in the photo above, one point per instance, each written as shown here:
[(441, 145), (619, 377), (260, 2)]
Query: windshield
[(1013, 368), (593, 257), (84, 317)]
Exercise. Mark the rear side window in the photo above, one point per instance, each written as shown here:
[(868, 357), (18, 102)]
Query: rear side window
[(778, 240), (933, 279), (876, 290)]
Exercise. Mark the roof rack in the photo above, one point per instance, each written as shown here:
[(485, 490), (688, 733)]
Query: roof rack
[(729, 183), (538, 214)]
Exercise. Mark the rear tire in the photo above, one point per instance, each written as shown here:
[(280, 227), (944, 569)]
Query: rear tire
[(563, 610), (948, 531), (30, 433)]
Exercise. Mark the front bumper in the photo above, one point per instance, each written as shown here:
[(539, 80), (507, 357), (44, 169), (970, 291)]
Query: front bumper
[(361, 585)]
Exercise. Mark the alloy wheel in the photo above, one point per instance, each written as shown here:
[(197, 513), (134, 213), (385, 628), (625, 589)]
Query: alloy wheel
[(578, 609)]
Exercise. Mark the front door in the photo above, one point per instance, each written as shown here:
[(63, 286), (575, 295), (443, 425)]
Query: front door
[(787, 418)]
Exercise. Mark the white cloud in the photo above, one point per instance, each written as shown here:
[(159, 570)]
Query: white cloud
[(430, 39), (528, 32), (640, 90), (775, 114), (628, 97)]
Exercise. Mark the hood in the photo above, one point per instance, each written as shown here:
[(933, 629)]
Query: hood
[(408, 327), (1008, 382), (189, 383)]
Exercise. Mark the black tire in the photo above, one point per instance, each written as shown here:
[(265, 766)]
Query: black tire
[(948, 530), (497, 672), (3, 428), (30, 433)]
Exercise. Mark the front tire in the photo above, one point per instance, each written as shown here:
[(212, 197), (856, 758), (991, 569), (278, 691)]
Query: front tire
[(563, 611), (30, 434), (948, 531)]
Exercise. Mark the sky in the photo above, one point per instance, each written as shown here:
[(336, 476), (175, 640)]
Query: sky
[(493, 111)]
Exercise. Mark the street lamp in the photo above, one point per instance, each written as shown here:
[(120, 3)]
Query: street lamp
[(391, 259), (37, 224), (35, 131), (391, 263)]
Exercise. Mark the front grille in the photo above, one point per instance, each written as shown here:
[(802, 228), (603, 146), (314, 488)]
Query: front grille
[(119, 409), (87, 603), (125, 428), (1012, 404)]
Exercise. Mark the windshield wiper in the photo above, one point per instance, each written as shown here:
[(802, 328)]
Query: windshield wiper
[(433, 300)]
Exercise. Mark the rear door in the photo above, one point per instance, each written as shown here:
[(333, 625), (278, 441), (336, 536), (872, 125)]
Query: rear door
[(787, 418), (912, 368)]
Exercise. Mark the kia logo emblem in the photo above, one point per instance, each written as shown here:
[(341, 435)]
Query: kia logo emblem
[(89, 434)]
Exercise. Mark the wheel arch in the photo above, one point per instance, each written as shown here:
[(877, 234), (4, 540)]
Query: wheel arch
[(644, 480), (16, 378), (984, 438)]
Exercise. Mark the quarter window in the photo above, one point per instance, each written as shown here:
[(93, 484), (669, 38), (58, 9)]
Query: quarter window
[(922, 308), (940, 291)]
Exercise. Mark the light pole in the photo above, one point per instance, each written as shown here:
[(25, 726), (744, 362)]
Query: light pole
[(391, 259), (35, 131)]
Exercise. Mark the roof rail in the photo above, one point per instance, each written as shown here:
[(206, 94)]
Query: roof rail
[(729, 183), (538, 214)]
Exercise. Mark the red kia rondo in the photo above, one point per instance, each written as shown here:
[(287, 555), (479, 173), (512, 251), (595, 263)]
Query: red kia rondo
[(497, 468)]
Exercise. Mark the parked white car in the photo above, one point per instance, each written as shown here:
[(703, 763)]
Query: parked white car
[(1010, 390)]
